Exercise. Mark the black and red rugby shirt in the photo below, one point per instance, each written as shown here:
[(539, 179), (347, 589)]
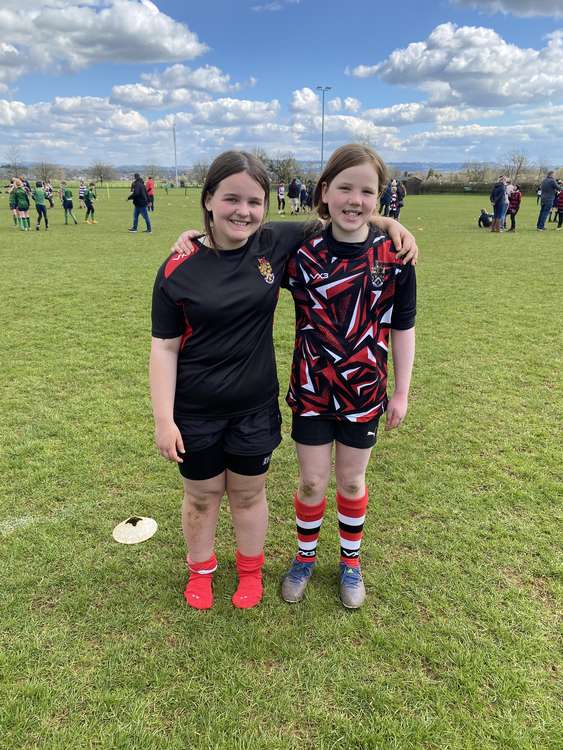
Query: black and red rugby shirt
[(347, 298), (222, 305)]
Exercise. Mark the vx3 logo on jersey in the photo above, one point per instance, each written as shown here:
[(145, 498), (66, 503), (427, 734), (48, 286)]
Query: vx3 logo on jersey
[(266, 270), (319, 276)]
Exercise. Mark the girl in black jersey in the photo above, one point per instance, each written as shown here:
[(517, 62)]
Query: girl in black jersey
[(213, 373), (351, 292)]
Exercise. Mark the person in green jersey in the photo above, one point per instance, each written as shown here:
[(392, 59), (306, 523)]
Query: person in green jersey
[(40, 197), (12, 201), (89, 198), (66, 194), (22, 205)]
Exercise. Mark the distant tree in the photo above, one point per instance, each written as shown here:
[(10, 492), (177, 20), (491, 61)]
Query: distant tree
[(47, 172), (515, 164), (283, 168), (261, 154), (14, 161), (475, 171), (542, 170), (101, 172), (198, 172)]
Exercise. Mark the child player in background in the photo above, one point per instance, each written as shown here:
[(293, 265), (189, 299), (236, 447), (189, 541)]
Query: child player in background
[(40, 198), (21, 199), (89, 198), (352, 294), (66, 197)]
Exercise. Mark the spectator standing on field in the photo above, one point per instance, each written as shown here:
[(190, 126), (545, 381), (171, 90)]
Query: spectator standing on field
[(281, 198), (385, 200), (150, 186), (293, 195), (140, 202), (499, 200), (303, 197), (549, 189), (39, 197), (514, 200), (559, 207)]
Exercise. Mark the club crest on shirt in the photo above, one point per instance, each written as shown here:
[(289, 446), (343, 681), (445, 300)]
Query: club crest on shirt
[(377, 274), (266, 270)]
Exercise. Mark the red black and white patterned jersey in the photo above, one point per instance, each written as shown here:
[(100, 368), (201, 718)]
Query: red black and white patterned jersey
[(221, 303), (347, 299)]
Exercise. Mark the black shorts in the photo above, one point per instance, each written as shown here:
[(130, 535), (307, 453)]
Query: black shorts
[(68, 205), (320, 431), (241, 444)]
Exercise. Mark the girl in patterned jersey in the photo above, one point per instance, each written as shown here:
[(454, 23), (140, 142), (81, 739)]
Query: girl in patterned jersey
[(351, 294), (213, 376)]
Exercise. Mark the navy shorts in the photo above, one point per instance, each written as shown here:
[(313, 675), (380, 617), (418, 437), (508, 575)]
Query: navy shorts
[(320, 431), (68, 205), (242, 444)]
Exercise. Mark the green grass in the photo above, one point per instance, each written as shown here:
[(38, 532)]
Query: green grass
[(457, 646)]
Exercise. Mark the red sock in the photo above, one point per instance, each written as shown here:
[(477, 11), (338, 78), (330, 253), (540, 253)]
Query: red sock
[(351, 518), (308, 519), (199, 593), (249, 590)]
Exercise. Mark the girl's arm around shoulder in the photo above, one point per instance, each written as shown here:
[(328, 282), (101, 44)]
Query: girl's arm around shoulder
[(402, 348), (403, 240)]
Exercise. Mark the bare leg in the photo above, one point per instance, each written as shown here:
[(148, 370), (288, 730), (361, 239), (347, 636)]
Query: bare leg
[(200, 511), (249, 510), (315, 465)]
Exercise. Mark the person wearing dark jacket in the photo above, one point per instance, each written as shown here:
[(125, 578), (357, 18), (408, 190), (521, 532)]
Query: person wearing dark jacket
[(385, 201), (140, 202), (499, 200), (549, 190), (559, 206)]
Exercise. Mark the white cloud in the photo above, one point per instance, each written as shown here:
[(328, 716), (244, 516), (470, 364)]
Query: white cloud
[(351, 104), (334, 105), (55, 35), (422, 112), (207, 78), (516, 7), (305, 100), (476, 66)]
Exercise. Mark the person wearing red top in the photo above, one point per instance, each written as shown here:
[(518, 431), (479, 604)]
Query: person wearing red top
[(353, 297), (149, 187), (559, 207), (514, 200)]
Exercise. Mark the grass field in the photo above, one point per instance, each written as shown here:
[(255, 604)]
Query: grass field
[(458, 645)]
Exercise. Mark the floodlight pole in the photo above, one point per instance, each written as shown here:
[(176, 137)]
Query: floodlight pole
[(323, 90), (175, 155)]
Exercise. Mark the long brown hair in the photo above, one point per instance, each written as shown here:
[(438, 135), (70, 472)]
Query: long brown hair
[(225, 165), (350, 155)]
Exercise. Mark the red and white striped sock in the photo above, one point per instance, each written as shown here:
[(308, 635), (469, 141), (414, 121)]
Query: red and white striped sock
[(249, 589), (199, 591), (351, 517), (308, 519)]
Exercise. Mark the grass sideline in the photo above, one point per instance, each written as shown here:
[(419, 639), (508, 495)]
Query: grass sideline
[(457, 646)]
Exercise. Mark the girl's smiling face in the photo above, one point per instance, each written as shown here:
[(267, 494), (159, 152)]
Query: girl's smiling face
[(351, 198), (238, 206)]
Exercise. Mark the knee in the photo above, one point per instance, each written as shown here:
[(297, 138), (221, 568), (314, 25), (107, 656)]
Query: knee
[(312, 485), (245, 499), (201, 503), (350, 487)]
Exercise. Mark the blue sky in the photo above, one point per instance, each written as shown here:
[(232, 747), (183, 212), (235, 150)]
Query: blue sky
[(450, 80)]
